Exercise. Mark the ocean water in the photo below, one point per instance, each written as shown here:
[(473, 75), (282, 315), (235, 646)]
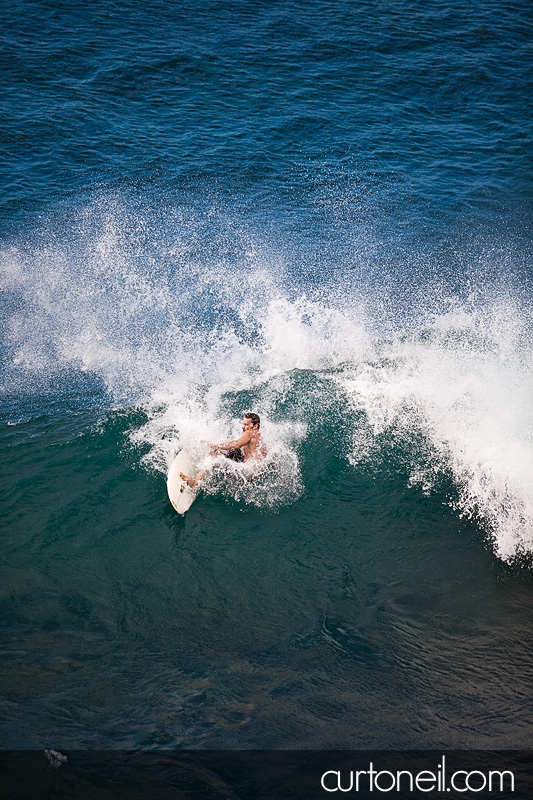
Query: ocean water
[(320, 212)]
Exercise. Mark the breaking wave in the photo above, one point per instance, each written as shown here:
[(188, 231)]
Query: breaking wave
[(196, 319)]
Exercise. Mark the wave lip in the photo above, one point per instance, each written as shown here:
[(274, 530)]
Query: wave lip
[(464, 384)]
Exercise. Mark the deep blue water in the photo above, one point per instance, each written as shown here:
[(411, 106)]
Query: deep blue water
[(320, 212)]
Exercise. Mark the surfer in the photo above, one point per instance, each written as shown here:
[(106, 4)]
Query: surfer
[(247, 447)]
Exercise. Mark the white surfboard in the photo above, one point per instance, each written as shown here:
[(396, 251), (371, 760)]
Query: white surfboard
[(181, 496)]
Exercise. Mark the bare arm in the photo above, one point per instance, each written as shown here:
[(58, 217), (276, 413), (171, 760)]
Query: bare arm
[(236, 443)]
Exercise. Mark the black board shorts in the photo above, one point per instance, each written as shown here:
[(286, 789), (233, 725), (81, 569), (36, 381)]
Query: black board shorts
[(235, 455)]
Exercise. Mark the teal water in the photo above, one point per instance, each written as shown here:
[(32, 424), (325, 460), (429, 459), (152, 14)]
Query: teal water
[(320, 213), (361, 613)]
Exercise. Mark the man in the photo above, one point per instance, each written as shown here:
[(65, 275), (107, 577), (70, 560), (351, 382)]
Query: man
[(247, 447)]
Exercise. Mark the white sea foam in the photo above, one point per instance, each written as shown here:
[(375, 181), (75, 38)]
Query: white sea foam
[(198, 327), (465, 382)]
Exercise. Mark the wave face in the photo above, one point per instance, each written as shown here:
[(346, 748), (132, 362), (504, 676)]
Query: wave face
[(199, 316)]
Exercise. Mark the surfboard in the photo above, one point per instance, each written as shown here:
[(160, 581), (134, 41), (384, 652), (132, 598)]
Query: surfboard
[(181, 496)]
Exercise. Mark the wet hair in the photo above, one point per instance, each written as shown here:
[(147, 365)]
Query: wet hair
[(255, 419)]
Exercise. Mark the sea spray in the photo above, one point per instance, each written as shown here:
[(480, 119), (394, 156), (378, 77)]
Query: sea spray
[(197, 319), (465, 383)]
